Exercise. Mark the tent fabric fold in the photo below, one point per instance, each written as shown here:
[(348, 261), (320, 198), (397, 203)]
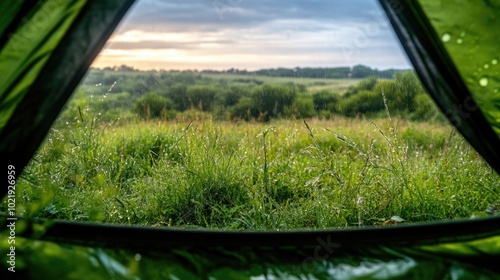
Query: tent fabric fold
[(440, 76), (39, 72), (38, 79)]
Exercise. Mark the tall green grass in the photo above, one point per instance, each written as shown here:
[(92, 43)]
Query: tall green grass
[(275, 176)]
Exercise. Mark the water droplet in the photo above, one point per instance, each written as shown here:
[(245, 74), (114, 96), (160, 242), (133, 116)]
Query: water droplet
[(460, 41), (486, 66), (483, 82), (137, 257), (494, 61), (446, 37), (462, 34)]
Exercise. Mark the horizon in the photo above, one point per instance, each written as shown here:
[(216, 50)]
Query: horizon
[(253, 35), (115, 67)]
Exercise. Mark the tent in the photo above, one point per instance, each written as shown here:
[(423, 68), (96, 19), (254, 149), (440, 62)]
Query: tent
[(46, 48)]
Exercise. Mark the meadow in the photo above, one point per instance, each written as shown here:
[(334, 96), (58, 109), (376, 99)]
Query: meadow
[(205, 168)]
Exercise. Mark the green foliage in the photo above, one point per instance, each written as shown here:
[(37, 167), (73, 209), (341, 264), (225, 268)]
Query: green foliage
[(324, 99), (362, 102), (178, 94), (271, 100), (367, 84), (233, 96), (426, 109), (241, 175), (41, 259), (153, 105), (407, 87), (404, 96), (201, 96), (244, 110), (302, 107)]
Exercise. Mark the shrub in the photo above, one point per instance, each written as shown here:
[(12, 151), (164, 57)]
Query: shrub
[(233, 95), (202, 97), (178, 94), (154, 106), (367, 84), (426, 109), (389, 90), (361, 103), (244, 110), (323, 99), (407, 87), (271, 100), (302, 107)]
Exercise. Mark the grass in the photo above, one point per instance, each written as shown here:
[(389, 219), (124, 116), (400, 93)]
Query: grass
[(287, 174), (313, 84)]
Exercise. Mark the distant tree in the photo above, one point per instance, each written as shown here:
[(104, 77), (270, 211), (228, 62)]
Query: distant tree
[(125, 68), (400, 92), (407, 86), (271, 100), (244, 109), (361, 71), (178, 94), (361, 103), (202, 96), (302, 107), (426, 109), (323, 99), (154, 106), (367, 83), (232, 96)]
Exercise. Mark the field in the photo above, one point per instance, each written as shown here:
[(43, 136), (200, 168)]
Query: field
[(202, 167), (313, 84)]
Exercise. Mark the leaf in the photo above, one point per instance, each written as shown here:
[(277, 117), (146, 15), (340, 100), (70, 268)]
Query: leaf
[(397, 219)]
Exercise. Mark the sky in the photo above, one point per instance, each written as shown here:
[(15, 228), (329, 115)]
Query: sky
[(252, 35)]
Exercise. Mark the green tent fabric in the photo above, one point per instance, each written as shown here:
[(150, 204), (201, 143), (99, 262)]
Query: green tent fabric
[(470, 36), (456, 260), (45, 49), (439, 73)]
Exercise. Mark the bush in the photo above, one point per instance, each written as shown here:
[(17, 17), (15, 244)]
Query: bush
[(407, 87), (271, 100), (426, 109), (302, 107), (324, 99), (178, 94), (361, 103), (154, 106), (389, 90), (367, 84), (232, 96), (202, 97), (244, 110)]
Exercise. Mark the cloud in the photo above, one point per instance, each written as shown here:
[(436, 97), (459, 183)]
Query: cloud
[(218, 33), (211, 15)]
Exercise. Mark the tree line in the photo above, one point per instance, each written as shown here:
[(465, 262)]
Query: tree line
[(165, 95), (355, 72)]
